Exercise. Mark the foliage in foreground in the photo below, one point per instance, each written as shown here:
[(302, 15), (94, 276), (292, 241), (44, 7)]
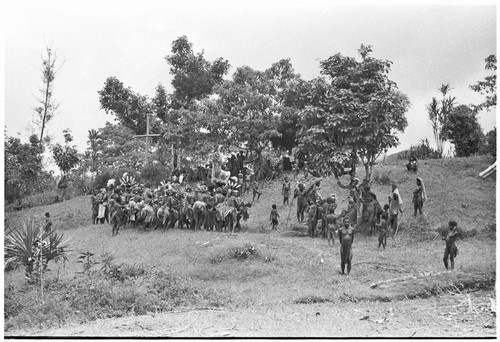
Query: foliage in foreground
[(113, 291), (32, 248)]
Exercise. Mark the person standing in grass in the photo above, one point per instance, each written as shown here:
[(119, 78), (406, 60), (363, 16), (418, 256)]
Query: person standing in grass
[(116, 213), (394, 210), (273, 217), (95, 206), (300, 194), (255, 190), (450, 251), (312, 221), (330, 223), (419, 197), (48, 223), (285, 191), (382, 238), (248, 178), (346, 236)]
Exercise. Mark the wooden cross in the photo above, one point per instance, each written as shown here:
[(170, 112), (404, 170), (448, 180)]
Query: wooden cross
[(147, 135)]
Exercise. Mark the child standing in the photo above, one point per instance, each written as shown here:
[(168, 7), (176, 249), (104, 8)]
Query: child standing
[(451, 250), (48, 223), (382, 238), (273, 217)]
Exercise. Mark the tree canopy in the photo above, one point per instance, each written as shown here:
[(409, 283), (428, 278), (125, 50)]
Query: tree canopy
[(65, 156), (194, 76), (353, 112), (488, 87), (463, 130), (130, 108)]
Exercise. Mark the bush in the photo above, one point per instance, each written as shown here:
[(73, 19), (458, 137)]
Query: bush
[(152, 175), (490, 143), (240, 253), (422, 151), (383, 178)]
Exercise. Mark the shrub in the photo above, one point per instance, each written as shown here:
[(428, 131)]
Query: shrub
[(422, 151), (240, 253), (152, 175), (383, 178)]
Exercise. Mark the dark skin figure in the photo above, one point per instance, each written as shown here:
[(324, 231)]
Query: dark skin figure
[(382, 238), (346, 237), (451, 250), (312, 211), (300, 193), (331, 221)]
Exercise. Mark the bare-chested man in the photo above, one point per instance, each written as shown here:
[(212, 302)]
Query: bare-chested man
[(451, 251), (346, 236), (312, 220), (330, 222), (300, 194)]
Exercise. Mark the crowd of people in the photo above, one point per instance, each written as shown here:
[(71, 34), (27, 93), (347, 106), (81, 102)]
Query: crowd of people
[(363, 207), (208, 207), (197, 207)]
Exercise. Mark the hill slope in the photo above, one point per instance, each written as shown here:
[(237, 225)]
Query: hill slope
[(291, 285)]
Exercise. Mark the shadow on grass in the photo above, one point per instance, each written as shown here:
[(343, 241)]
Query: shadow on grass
[(295, 230), (421, 288), (312, 299)]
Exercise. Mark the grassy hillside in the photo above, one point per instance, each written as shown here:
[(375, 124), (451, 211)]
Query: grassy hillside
[(265, 269)]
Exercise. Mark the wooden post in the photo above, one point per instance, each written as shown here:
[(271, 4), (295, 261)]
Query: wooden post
[(147, 135)]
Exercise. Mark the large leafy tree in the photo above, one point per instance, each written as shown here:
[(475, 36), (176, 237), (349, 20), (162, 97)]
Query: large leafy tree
[(119, 149), (287, 90), (23, 165), (247, 103), (463, 130), (354, 112), (161, 103), (65, 156), (130, 108), (194, 76), (491, 142), (488, 87), (438, 112)]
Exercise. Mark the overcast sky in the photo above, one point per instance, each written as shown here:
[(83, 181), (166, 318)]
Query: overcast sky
[(429, 45)]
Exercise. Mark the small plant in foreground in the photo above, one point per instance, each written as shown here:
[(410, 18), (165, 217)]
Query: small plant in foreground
[(87, 260)]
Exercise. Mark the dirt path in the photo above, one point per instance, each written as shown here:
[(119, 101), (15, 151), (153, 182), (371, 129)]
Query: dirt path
[(446, 316)]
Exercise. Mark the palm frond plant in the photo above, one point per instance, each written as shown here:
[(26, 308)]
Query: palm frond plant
[(28, 247)]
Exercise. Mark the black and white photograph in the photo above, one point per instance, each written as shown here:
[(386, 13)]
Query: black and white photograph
[(249, 169)]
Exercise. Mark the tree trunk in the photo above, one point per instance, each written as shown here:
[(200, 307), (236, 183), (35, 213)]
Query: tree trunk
[(258, 164), (368, 171), (45, 109), (174, 158)]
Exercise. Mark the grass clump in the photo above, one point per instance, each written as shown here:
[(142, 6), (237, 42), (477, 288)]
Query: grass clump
[(240, 253), (381, 177), (312, 299)]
